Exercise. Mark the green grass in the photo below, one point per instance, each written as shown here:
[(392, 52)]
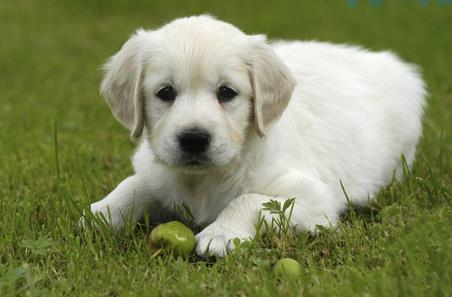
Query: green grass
[(50, 53)]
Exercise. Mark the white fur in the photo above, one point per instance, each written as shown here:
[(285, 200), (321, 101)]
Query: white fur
[(352, 113)]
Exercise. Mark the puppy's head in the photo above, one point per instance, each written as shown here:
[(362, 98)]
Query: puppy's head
[(198, 86)]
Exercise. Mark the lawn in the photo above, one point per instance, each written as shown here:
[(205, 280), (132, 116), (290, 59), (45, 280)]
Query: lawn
[(61, 149)]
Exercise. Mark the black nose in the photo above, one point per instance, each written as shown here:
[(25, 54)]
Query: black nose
[(194, 140)]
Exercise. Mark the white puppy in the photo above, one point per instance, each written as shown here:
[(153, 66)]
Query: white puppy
[(228, 121)]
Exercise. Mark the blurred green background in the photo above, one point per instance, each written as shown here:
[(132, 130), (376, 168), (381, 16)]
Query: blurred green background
[(50, 56)]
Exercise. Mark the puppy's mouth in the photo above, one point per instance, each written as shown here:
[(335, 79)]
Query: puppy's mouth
[(195, 162), (191, 163)]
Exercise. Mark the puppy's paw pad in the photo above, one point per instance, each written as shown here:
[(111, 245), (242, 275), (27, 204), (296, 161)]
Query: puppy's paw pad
[(217, 240)]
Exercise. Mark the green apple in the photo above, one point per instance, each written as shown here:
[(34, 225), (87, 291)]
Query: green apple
[(287, 267), (173, 236)]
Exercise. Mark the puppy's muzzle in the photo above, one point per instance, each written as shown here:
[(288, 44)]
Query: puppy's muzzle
[(194, 141)]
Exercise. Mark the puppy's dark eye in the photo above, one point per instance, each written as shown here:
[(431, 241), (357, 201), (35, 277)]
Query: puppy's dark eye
[(166, 94), (226, 94)]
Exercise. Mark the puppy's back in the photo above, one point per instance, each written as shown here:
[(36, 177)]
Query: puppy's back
[(355, 113)]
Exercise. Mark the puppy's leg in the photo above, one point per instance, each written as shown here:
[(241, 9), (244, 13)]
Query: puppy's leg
[(126, 203), (314, 205)]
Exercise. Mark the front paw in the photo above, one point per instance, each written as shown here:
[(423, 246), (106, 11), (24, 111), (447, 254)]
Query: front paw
[(98, 216), (91, 220), (217, 240)]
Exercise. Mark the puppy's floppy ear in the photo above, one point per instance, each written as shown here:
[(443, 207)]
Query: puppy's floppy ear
[(122, 84), (272, 84)]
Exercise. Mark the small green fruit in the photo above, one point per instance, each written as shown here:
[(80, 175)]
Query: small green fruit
[(173, 236), (287, 267)]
